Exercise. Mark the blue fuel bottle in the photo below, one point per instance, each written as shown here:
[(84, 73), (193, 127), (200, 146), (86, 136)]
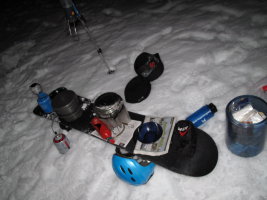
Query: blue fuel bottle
[(43, 100), (202, 115)]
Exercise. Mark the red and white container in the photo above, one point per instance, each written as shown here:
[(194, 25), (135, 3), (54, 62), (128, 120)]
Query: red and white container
[(62, 143)]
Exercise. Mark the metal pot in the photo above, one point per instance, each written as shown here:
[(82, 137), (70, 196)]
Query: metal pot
[(67, 105), (110, 108)]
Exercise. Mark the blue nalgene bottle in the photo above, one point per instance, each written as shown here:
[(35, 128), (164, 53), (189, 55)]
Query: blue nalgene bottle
[(43, 100), (202, 115)]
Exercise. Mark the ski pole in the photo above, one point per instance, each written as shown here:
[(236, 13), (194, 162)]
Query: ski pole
[(99, 50)]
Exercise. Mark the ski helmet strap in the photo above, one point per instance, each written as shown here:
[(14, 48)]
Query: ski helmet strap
[(124, 155), (138, 159)]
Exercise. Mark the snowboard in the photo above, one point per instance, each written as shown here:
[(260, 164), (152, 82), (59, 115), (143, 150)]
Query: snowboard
[(196, 156)]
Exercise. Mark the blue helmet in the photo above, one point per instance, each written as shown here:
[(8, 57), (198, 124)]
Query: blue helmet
[(132, 169)]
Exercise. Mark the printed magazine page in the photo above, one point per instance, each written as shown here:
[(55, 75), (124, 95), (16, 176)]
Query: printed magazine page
[(161, 146)]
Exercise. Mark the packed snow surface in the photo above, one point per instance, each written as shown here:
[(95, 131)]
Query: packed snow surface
[(212, 51)]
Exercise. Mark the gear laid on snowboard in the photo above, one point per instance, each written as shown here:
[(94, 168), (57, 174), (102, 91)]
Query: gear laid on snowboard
[(191, 151)]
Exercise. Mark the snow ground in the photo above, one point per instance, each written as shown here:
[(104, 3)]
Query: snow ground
[(212, 51)]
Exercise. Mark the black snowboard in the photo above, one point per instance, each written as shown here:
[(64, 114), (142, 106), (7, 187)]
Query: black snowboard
[(196, 159)]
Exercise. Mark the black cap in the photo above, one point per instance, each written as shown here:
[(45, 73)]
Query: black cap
[(137, 90), (212, 107), (148, 66), (192, 152)]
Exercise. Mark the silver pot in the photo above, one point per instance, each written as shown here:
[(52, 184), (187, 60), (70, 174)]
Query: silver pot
[(110, 108)]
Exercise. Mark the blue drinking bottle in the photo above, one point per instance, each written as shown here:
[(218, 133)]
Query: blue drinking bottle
[(202, 115), (43, 100)]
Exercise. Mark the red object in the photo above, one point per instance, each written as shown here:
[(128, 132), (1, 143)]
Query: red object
[(102, 129), (152, 64), (264, 88)]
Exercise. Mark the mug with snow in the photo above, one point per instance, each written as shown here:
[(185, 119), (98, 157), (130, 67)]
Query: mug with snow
[(246, 125)]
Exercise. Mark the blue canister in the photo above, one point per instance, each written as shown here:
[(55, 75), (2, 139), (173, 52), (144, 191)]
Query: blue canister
[(245, 139), (202, 115), (44, 102)]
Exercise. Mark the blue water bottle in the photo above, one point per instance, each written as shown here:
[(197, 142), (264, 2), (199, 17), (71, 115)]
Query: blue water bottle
[(202, 115), (43, 100)]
